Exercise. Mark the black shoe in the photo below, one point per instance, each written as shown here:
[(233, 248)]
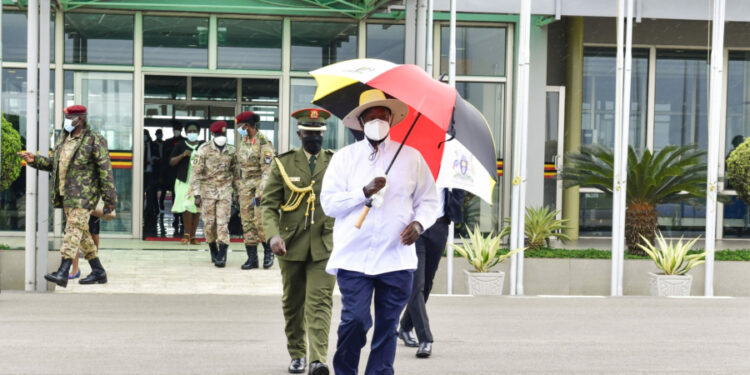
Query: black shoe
[(425, 349), (297, 366), (60, 277), (214, 251), (318, 368), (252, 257), (221, 257), (408, 338), (267, 256), (97, 275)]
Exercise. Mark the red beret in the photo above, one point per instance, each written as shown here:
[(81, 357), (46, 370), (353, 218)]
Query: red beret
[(75, 110), (218, 127), (247, 117)]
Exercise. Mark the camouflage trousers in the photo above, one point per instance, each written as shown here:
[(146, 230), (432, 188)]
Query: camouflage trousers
[(216, 213), (77, 234), (251, 223)]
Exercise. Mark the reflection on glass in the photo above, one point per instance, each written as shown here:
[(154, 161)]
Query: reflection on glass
[(214, 88), (598, 99), (108, 98), (166, 87), (736, 219), (738, 102), (316, 44), (595, 214), (258, 89), (92, 38), (249, 44), (681, 99), (175, 41), (336, 136), (14, 35), (488, 99), (550, 148), (479, 50), (386, 42)]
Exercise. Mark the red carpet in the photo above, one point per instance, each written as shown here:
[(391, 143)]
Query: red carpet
[(178, 239)]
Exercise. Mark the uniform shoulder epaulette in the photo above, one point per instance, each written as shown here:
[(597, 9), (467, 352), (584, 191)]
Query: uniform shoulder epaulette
[(330, 152), (204, 145), (290, 152), (262, 138)]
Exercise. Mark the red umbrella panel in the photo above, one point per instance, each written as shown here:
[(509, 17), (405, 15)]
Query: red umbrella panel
[(445, 122)]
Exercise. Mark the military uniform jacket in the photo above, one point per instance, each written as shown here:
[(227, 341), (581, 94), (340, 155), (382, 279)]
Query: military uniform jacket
[(316, 238), (89, 175), (254, 157), (214, 172)]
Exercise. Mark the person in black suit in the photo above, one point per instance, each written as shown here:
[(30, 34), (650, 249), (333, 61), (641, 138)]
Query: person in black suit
[(169, 173), (430, 247)]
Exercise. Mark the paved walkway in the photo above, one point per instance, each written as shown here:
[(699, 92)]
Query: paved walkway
[(55, 333)]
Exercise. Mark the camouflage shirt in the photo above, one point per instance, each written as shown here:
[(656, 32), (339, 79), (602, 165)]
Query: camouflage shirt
[(254, 157), (68, 147), (214, 172), (88, 176)]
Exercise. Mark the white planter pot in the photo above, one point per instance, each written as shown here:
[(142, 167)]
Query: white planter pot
[(485, 283), (661, 285)]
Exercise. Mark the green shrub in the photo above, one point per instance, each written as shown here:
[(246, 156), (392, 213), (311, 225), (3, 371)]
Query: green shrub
[(11, 162), (4, 246), (740, 255), (738, 170), (541, 225)]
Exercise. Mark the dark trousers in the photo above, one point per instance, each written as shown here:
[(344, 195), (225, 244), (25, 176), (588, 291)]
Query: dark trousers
[(430, 246), (391, 292)]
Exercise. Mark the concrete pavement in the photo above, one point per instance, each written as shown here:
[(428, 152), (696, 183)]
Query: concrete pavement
[(240, 334)]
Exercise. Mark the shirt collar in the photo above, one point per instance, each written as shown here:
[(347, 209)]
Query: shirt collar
[(382, 146), (307, 154)]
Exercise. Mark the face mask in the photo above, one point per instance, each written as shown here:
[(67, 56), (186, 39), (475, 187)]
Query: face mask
[(68, 125), (377, 129), (192, 137), (312, 143), (220, 140), (242, 132), (159, 137)]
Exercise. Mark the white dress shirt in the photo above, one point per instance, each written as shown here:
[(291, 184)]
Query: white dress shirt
[(411, 195)]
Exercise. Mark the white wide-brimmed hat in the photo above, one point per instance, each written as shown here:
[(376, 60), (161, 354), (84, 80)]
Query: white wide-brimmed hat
[(376, 98)]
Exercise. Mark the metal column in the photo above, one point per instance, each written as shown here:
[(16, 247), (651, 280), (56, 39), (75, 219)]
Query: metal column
[(32, 58), (43, 192)]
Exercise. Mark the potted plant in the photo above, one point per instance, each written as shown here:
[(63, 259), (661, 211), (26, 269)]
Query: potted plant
[(483, 253), (674, 174), (541, 225), (674, 262)]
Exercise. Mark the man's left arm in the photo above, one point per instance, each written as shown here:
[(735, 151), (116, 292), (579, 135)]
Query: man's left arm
[(105, 175)]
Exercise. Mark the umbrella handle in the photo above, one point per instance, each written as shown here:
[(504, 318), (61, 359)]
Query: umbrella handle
[(362, 216)]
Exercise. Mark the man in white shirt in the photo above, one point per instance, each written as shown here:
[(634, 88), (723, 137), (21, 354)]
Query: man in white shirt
[(380, 257)]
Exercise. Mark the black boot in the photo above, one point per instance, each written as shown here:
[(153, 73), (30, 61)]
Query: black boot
[(267, 256), (97, 275), (252, 257), (214, 252), (60, 277), (221, 258)]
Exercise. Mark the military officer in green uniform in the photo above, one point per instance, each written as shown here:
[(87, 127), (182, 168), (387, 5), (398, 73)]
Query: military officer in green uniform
[(301, 236), (254, 157), (81, 175)]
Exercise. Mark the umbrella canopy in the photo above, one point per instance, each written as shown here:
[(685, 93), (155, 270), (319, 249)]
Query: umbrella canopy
[(451, 134)]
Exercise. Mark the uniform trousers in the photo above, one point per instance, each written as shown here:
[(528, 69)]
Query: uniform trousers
[(77, 234), (391, 291), (216, 213), (307, 304), (430, 247)]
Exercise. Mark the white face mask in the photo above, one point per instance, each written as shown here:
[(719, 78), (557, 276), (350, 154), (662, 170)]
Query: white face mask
[(377, 129), (220, 141), (68, 125)]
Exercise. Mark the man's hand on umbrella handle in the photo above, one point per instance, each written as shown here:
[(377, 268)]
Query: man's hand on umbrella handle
[(411, 233), (278, 246), (26, 156), (374, 186)]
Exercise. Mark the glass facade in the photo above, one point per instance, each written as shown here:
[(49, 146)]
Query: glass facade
[(93, 38), (480, 51), (386, 42), (14, 35), (317, 44), (736, 213), (249, 44), (598, 99), (175, 41)]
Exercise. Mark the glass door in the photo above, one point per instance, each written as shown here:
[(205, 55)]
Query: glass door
[(553, 147)]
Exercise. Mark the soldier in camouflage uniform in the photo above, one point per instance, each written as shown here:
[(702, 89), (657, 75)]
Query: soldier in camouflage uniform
[(254, 156), (213, 176), (81, 175)]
